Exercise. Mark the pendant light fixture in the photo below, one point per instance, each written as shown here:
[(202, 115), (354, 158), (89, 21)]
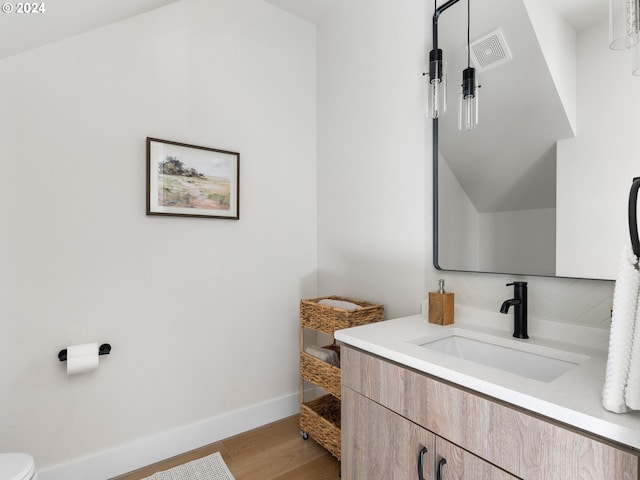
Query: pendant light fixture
[(624, 29), (437, 86), (436, 76), (468, 106), (624, 21)]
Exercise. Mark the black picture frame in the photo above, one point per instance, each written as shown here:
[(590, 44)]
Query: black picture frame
[(192, 181)]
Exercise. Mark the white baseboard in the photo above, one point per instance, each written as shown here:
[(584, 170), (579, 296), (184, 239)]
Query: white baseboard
[(150, 450)]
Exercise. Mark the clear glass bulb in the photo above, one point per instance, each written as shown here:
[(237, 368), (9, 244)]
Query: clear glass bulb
[(624, 22), (468, 102), (437, 92), (468, 115)]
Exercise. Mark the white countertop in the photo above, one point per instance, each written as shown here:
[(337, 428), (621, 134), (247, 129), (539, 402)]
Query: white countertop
[(574, 398)]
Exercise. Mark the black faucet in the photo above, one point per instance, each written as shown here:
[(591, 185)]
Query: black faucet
[(519, 303)]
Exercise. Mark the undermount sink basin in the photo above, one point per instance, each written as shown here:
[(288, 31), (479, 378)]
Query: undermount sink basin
[(509, 357)]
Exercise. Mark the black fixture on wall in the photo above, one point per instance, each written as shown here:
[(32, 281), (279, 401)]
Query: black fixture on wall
[(437, 74), (104, 349), (436, 15), (468, 107), (468, 101)]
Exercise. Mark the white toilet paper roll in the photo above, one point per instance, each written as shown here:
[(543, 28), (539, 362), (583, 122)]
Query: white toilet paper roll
[(82, 358)]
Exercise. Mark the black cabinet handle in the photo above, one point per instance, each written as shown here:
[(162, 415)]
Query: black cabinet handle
[(442, 462), (423, 450)]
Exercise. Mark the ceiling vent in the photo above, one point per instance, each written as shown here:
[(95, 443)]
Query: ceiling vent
[(490, 51)]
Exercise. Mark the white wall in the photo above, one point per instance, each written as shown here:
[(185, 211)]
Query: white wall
[(558, 42), (604, 155), (202, 314), (458, 225), (372, 139)]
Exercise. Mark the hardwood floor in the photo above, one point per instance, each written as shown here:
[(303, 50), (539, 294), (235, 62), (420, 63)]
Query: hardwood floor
[(272, 452)]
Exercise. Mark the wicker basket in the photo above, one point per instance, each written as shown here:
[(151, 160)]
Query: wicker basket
[(328, 319), (320, 418), (321, 373)]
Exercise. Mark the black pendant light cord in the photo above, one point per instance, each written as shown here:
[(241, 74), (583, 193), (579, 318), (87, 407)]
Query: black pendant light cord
[(468, 74), (468, 33), (435, 24)]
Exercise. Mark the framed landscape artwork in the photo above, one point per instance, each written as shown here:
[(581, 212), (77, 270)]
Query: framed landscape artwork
[(192, 181)]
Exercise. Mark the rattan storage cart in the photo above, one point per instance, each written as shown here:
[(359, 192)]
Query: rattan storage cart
[(320, 417)]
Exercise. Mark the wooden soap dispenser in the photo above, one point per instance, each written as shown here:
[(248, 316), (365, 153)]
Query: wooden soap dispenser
[(441, 306)]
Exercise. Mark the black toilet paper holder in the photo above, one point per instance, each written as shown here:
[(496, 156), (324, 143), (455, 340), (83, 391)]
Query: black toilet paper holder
[(104, 349)]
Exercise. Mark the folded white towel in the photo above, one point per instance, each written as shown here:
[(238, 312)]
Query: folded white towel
[(339, 304), (324, 354), (621, 336)]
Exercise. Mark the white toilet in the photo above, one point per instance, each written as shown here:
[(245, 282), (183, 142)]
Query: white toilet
[(17, 466)]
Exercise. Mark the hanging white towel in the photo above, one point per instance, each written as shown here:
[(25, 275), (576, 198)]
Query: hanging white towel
[(621, 337), (632, 390)]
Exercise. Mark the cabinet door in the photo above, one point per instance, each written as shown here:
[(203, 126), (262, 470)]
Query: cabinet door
[(380, 444), (458, 464)]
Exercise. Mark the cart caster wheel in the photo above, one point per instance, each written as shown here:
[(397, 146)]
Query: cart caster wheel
[(304, 435)]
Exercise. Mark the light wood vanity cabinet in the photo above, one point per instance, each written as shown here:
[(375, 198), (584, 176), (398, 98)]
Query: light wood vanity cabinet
[(382, 444), (385, 445), (391, 412)]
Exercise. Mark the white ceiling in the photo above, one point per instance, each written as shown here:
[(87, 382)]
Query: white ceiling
[(65, 18), (312, 10), (579, 13)]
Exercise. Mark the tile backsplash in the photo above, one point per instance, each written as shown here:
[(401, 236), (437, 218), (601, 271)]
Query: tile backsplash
[(567, 300)]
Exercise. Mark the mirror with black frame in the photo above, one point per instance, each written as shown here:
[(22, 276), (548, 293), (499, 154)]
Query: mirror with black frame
[(540, 186)]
